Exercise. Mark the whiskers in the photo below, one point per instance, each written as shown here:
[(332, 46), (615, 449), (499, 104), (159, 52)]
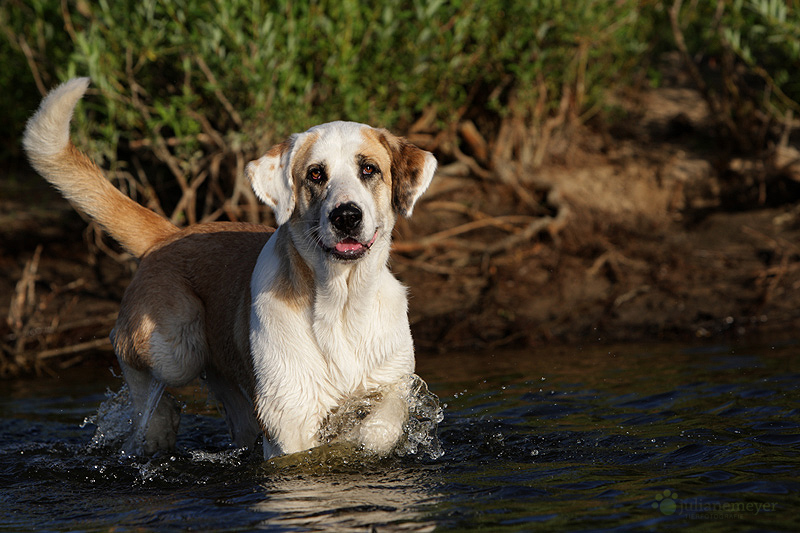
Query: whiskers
[(310, 237)]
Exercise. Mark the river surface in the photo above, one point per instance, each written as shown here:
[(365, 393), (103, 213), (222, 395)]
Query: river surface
[(600, 438)]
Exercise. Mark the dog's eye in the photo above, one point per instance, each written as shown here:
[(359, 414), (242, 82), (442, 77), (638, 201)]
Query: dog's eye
[(315, 174), (368, 170)]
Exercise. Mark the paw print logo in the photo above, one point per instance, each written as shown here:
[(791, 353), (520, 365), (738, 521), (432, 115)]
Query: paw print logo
[(665, 502)]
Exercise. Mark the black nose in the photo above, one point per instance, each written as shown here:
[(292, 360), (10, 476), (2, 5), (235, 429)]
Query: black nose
[(346, 217)]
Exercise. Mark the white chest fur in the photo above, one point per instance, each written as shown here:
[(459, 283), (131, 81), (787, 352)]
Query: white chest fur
[(352, 337)]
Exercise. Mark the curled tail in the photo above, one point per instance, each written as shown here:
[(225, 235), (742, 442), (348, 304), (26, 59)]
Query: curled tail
[(46, 141)]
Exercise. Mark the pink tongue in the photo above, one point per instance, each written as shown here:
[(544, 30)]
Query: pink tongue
[(348, 245)]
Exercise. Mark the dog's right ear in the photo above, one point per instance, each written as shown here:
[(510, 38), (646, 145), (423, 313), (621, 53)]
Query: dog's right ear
[(271, 179)]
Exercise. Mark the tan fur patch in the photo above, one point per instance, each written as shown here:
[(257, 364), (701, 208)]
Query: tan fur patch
[(179, 278), (300, 162), (302, 154), (295, 282), (278, 149), (407, 164), (375, 149)]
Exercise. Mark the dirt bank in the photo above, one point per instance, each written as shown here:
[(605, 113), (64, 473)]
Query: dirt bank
[(633, 232), (652, 232)]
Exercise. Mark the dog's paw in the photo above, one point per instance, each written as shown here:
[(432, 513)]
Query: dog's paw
[(379, 435), (161, 431), (384, 427)]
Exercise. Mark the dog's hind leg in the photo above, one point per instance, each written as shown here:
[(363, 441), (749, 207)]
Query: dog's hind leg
[(238, 408), (156, 416), (160, 342)]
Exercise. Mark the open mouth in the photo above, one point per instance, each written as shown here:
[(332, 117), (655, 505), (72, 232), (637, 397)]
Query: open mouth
[(349, 249)]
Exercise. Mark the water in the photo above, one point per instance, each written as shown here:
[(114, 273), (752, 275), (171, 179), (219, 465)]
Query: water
[(602, 438)]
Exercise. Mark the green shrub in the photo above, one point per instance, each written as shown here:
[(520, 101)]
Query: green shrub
[(743, 55), (30, 39), (191, 89)]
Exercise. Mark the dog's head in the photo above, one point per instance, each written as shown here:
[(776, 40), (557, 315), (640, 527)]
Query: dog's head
[(341, 185)]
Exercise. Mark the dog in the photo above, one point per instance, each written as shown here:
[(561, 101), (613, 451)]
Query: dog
[(283, 325)]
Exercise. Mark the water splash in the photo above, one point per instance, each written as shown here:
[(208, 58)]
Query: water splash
[(424, 415), (114, 421), (419, 430)]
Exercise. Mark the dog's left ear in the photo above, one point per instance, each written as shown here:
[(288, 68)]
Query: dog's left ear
[(412, 172), (271, 179)]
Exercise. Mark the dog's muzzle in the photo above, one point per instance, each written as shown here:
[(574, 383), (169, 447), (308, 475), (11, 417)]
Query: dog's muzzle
[(346, 220)]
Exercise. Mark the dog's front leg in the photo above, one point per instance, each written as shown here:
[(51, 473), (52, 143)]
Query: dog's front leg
[(290, 427), (284, 441)]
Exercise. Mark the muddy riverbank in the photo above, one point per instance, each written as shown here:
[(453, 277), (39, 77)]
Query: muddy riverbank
[(643, 230)]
